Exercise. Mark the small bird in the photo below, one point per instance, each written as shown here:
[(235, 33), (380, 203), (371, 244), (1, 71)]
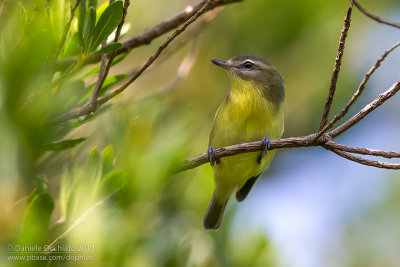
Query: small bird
[(251, 111)]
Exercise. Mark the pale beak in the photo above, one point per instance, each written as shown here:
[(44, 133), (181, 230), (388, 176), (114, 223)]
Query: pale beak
[(222, 63)]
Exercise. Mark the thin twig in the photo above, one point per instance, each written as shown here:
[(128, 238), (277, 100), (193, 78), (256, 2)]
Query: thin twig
[(374, 17), (360, 89), (336, 70), (157, 54), (83, 217), (90, 106), (366, 110), (368, 162), (187, 36), (361, 150), (147, 36), (101, 76), (104, 70), (66, 29)]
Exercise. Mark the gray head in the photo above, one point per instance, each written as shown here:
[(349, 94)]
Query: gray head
[(257, 70)]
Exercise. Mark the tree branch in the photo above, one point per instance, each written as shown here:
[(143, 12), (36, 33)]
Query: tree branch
[(361, 150), (368, 162), (104, 70), (336, 70), (366, 110), (147, 36), (360, 89), (374, 17), (323, 140), (91, 107), (164, 45), (187, 36), (303, 141)]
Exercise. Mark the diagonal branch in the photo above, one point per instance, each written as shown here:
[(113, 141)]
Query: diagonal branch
[(150, 61), (368, 162), (324, 140), (147, 36), (374, 17), (360, 89), (336, 70), (188, 35), (91, 107), (361, 150), (366, 110)]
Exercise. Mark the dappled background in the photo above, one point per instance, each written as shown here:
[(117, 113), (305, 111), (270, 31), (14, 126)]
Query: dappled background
[(311, 208)]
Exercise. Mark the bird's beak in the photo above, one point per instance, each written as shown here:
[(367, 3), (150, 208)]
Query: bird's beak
[(222, 63)]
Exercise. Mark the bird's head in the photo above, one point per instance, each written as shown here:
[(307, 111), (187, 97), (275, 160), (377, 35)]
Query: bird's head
[(257, 71)]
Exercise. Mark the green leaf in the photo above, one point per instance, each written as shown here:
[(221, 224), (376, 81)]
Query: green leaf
[(81, 20), (40, 208), (92, 3), (108, 158), (88, 28), (112, 181), (101, 9), (36, 219), (72, 47), (58, 17), (108, 21), (109, 48), (62, 145)]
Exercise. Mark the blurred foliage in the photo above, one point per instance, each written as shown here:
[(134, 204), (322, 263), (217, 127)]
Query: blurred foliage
[(113, 170)]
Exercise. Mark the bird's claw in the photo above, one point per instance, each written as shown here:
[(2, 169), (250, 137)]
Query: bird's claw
[(211, 154), (266, 142)]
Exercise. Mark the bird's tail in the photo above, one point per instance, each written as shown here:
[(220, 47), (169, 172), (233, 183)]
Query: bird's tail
[(214, 214)]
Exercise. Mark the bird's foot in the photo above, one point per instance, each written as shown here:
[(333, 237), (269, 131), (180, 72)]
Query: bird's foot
[(211, 154), (266, 142)]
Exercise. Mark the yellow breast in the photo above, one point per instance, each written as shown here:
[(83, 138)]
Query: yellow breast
[(245, 116)]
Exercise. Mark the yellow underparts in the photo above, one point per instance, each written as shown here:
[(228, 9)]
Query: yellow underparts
[(245, 116)]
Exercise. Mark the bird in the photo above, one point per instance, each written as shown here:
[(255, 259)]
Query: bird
[(252, 111)]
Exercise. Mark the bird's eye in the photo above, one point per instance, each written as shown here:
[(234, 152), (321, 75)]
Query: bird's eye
[(248, 64)]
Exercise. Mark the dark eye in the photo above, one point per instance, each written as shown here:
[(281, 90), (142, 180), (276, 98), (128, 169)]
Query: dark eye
[(248, 64)]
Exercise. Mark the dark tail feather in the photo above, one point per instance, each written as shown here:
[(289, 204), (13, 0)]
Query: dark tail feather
[(245, 190), (214, 214)]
